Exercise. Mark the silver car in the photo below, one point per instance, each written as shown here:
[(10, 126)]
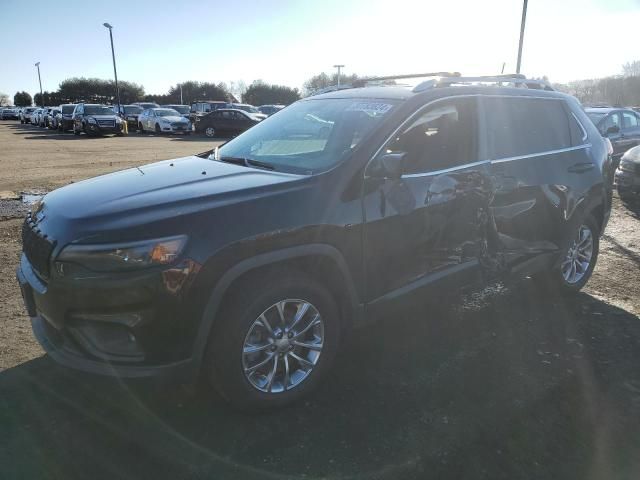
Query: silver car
[(163, 120)]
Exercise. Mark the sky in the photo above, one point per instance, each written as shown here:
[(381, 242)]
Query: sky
[(161, 43)]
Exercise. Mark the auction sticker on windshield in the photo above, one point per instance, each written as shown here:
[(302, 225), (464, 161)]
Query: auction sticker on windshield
[(370, 108)]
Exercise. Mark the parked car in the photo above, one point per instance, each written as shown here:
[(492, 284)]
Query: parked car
[(94, 119), (65, 120), (130, 113), (25, 115), (627, 177), (250, 109), (269, 110), (47, 117), (225, 121), (163, 120), (620, 125), (35, 116), (9, 114), (52, 118), (183, 110), (246, 266), (146, 105), (199, 109)]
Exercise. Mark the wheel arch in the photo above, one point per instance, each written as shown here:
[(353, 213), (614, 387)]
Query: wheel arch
[(322, 262)]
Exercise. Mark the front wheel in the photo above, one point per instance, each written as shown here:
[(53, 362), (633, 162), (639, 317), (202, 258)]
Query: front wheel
[(158, 131), (273, 341)]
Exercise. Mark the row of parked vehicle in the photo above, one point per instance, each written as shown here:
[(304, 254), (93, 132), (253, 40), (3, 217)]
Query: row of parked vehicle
[(212, 118)]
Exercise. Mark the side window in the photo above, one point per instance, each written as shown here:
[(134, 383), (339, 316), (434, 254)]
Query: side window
[(526, 126), (612, 120), (578, 133), (206, 107), (629, 120), (443, 136)]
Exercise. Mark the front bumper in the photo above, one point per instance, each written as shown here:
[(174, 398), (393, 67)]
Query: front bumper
[(102, 130), (126, 328), (176, 129)]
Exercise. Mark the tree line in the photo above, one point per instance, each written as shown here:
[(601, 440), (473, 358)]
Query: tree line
[(96, 90)]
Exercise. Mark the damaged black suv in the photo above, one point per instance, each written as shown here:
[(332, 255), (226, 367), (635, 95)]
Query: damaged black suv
[(248, 264)]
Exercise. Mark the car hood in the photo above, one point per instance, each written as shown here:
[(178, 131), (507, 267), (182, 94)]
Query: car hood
[(174, 118), (632, 155), (142, 195)]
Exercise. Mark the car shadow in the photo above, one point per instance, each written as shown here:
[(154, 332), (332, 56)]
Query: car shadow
[(503, 383)]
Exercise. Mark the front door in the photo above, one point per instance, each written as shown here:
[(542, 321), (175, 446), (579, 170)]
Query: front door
[(430, 224)]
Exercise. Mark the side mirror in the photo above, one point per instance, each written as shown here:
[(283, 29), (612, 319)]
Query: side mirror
[(389, 165), (613, 129)]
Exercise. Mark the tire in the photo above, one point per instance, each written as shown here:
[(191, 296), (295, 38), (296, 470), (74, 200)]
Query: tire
[(75, 131), (210, 132), (625, 194), (157, 129), (140, 128), (560, 276), (225, 363)]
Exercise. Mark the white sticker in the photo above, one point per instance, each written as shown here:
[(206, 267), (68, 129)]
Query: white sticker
[(370, 108)]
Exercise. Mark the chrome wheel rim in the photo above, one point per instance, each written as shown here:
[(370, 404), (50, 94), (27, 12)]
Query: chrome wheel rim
[(578, 259), (283, 346), (210, 132)]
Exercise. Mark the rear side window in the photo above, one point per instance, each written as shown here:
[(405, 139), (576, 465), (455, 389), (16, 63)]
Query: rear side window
[(629, 120), (442, 136), (578, 134), (525, 126)]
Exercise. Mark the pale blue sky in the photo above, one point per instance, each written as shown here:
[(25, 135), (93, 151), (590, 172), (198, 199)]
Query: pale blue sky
[(160, 43)]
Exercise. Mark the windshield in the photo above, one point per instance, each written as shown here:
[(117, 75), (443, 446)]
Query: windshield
[(68, 108), (97, 110), (132, 109), (596, 116), (166, 112), (309, 136), (183, 109)]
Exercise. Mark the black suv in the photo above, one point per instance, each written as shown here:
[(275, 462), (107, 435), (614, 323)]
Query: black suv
[(94, 119), (248, 264)]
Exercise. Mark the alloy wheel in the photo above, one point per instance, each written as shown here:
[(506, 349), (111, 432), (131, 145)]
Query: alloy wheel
[(283, 346), (210, 132), (579, 256)]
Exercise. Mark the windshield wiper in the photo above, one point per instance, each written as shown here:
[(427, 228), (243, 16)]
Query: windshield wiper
[(247, 162)]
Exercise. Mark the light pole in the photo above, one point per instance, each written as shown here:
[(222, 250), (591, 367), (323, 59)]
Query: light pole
[(115, 73), (181, 103), (338, 67), (522, 23), (40, 82)]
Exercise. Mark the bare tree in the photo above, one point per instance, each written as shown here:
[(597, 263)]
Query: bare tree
[(4, 99), (631, 69)]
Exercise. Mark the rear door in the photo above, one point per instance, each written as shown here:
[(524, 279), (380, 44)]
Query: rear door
[(536, 168), (429, 224)]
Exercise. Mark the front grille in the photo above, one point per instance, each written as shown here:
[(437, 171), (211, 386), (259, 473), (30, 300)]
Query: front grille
[(37, 247), (179, 125), (107, 123)]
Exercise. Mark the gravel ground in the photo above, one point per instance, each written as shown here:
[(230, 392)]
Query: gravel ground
[(510, 382)]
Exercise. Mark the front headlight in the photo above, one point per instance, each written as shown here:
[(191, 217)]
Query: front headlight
[(91, 120), (118, 120), (627, 165), (123, 257)]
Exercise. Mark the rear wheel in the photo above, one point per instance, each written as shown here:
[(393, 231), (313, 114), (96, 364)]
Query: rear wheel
[(158, 131), (579, 258), (140, 128), (273, 341), (210, 132)]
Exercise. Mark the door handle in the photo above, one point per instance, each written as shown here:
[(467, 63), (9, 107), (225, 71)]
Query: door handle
[(581, 167)]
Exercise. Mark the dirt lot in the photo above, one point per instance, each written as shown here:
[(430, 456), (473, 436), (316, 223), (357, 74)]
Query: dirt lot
[(512, 382)]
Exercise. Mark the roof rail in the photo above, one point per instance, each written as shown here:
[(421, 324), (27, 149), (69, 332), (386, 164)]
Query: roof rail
[(364, 81), (515, 78)]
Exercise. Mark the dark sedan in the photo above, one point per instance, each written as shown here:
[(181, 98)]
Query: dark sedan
[(225, 121), (620, 125), (627, 177)]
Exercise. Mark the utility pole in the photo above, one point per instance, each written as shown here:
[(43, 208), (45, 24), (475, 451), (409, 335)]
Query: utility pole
[(40, 82), (522, 24), (115, 73), (338, 67), (181, 102)]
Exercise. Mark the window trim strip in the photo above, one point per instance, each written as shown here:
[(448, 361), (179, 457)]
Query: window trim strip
[(541, 154)]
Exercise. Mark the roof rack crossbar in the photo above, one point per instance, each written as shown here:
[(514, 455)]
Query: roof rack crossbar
[(516, 78)]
